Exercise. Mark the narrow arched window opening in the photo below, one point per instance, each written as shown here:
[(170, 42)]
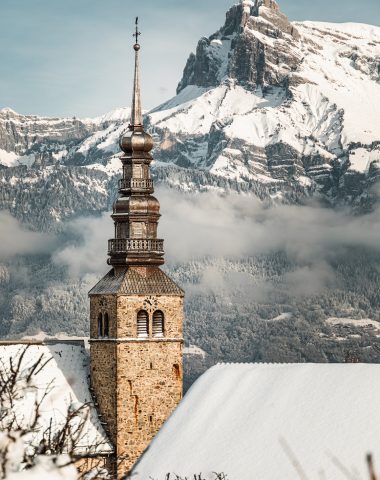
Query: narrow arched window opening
[(158, 324), (142, 324), (177, 371), (100, 325), (106, 327)]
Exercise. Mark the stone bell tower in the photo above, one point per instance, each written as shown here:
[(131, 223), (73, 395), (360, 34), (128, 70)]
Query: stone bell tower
[(136, 310)]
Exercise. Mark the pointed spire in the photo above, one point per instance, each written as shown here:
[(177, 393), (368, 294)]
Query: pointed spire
[(136, 212), (136, 114)]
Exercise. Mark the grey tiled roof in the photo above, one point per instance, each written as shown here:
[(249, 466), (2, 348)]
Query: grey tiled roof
[(109, 284), (131, 282)]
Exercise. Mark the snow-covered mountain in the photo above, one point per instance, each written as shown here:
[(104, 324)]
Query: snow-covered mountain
[(288, 106), (275, 101)]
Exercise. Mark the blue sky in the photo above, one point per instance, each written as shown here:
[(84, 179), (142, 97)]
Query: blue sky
[(74, 57)]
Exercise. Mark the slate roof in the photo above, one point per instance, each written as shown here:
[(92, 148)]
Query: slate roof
[(130, 282)]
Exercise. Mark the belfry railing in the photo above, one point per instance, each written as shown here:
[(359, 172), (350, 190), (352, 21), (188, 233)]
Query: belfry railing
[(140, 183), (121, 245)]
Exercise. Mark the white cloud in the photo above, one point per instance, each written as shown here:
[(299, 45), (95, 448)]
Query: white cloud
[(15, 239), (87, 253)]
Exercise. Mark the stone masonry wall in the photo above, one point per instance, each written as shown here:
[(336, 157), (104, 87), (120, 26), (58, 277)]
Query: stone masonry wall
[(103, 381), (149, 387), (103, 304), (90, 464), (149, 374), (103, 363), (137, 381)]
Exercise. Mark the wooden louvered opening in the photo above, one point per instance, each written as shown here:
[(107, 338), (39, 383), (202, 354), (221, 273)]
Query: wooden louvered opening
[(158, 324), (142, 324), (100, 325), (106, 326)]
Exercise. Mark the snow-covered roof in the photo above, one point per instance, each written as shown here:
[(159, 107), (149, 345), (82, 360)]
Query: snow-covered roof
[(263, 421), (65, 378)]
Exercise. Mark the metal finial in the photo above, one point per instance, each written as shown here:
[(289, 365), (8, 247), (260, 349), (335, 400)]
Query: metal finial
[(136, 114), (137, 33)]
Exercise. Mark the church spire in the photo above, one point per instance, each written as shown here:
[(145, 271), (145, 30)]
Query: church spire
[(136, 212), (136, 112), (136, 310)]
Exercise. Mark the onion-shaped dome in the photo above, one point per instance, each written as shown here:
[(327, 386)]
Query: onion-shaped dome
[(136, 141), (136, 204), (121, 206), (144, 204)]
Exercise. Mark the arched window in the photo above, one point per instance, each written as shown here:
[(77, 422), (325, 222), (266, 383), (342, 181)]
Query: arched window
[(177, 371), (158, 324), (106, 330), (142, 324), (100, 325)]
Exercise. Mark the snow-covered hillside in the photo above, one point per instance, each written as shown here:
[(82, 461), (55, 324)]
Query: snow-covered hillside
[(277, 110), (266, 421)]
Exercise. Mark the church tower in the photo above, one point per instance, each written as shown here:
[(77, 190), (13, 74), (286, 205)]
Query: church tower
[(136, 310)]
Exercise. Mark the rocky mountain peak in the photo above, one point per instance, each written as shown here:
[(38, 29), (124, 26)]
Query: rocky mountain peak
[(257, 46), (268, 12), (271, 4)]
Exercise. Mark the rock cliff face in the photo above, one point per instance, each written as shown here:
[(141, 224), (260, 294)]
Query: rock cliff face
[(39, 141), (237, 53), (19, 134), (271, 108)]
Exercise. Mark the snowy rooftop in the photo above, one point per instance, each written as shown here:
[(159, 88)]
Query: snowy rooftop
[(65, 378), (260, 421)]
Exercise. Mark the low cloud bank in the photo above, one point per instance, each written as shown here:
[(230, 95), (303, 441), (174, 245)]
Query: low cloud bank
[(236, 225), (88, 253), (209, 225)]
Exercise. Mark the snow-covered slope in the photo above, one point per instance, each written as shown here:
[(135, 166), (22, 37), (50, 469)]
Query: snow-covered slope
[(263, 421)]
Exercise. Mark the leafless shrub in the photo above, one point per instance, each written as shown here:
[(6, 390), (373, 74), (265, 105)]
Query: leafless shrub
[(58, 443)]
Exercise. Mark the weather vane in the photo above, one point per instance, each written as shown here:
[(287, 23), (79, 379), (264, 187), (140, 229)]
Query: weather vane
[(137, 34)]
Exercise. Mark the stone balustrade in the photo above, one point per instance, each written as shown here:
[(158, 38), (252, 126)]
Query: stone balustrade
[(138, 183), (121, 245)]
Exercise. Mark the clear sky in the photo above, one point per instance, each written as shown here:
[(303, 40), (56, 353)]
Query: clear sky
[(74, 57)]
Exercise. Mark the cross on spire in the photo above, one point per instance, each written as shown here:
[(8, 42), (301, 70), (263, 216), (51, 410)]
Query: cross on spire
[(137, 33)]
